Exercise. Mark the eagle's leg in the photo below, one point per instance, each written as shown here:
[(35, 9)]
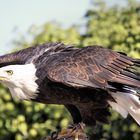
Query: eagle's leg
[(72, 132)]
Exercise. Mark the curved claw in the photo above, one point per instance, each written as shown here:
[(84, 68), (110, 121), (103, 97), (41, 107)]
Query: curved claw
[(73, 132)]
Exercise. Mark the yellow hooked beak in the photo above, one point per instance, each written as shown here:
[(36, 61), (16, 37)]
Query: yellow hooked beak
[(2, 78)]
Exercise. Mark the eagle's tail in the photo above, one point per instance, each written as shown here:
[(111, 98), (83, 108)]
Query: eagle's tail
[(126, 104), (127, 91)]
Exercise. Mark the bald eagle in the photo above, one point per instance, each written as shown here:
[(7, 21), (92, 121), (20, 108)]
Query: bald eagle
[(87, 81)]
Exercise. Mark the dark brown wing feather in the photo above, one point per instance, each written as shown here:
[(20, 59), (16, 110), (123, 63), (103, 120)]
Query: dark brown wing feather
[(94, 67)]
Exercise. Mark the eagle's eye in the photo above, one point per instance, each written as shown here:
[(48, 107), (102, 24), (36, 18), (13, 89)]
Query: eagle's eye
[(9, 72)]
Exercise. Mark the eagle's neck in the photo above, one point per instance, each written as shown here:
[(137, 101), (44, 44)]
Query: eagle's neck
[(18, 93), (23, 94)]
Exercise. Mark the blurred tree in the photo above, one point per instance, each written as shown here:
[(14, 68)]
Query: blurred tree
[(117, 28)]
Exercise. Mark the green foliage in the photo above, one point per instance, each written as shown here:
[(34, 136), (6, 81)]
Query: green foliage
[(49, 32), (116, 28)]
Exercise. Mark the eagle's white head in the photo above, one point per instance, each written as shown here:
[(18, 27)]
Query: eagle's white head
[(20, 79)]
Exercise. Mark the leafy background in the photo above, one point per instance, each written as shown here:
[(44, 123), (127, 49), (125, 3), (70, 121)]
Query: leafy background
[(117, 28)]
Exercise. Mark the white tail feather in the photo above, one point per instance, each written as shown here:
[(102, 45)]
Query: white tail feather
[(126, 103)]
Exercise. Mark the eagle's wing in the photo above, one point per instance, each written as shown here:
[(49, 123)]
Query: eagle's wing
[(95, 67), (98, 67)]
